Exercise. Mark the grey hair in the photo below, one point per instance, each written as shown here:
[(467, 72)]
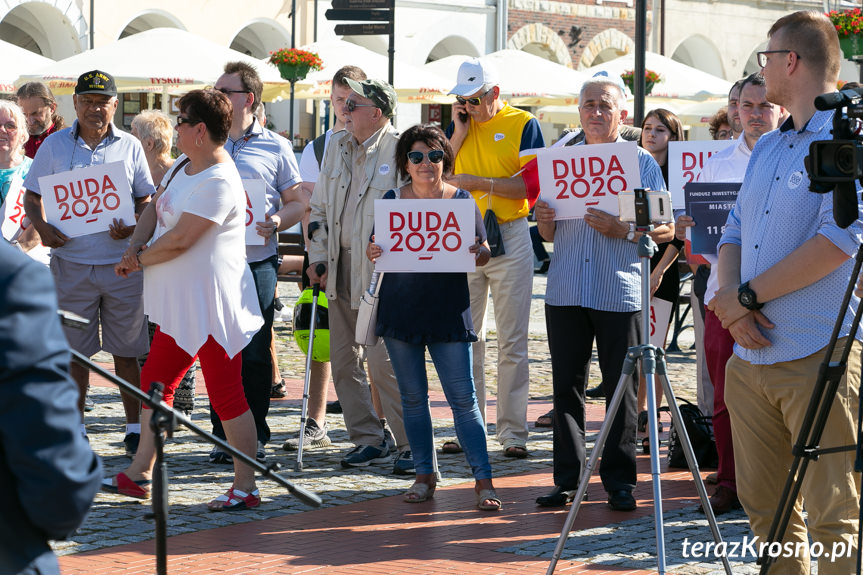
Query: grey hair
[(604, 82), (156, 125), (20, 121)]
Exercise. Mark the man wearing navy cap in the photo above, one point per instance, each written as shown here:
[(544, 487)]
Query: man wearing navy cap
[(83, 266)]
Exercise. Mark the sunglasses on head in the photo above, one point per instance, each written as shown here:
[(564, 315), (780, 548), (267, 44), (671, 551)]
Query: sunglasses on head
[(434, 156), (473, 101), (352, 105)]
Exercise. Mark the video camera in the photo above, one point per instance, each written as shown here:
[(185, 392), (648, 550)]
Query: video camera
[(836, 165)]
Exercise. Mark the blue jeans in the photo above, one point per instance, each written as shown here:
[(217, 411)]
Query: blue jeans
[(257, 360), (453, 362)]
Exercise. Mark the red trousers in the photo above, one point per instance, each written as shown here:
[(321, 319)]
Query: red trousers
[(168, 363), (718, 349)]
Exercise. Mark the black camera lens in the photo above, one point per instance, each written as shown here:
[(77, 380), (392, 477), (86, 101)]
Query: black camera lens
[(845, 159)]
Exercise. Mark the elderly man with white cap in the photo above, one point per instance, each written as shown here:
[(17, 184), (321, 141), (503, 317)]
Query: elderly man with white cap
[(492, 142)]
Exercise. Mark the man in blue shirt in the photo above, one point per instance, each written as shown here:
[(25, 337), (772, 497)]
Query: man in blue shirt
[(83, 266), (594, 292), (263, 155), (783, 268)]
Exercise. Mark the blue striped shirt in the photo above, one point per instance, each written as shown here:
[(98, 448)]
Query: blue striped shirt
[(774, 214), (591, 270)]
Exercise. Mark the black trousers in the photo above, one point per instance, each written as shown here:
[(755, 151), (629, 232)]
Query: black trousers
[(571, 332)]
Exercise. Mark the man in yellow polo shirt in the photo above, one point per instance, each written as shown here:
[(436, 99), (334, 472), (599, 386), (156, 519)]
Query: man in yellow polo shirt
[(492, 142)]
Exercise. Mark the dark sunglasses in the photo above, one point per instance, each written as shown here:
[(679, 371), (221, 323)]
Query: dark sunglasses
[(473, 101), (229, 91), (182, 120), (350, 105), (435, 157)]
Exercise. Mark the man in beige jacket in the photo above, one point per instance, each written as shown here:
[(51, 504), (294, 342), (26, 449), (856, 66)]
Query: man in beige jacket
[(358, 168)]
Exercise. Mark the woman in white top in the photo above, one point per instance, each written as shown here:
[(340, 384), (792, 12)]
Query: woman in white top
[(197, 224)]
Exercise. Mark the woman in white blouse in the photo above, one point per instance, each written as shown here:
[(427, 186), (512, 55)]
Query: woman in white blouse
[(197, 225)]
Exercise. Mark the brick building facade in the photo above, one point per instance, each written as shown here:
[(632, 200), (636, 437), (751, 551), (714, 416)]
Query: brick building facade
[(576, 33)]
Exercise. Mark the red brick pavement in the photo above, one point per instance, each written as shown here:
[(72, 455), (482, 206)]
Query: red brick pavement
[(387, 536)]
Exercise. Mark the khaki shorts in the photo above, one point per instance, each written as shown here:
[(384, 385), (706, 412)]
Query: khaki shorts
[(110, 302)]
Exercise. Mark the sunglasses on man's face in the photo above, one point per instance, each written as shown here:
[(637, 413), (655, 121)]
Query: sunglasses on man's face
[(473, 101), (434, 156), (351, 105)]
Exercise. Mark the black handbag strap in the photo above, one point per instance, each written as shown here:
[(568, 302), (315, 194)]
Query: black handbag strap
[(176, 169)]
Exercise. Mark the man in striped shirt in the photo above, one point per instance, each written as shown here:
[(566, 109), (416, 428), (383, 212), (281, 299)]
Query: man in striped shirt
[(594, 292)]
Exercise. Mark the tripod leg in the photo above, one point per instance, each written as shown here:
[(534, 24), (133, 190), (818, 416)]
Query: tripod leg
[(610, 413), (677, 421), (648, 362)]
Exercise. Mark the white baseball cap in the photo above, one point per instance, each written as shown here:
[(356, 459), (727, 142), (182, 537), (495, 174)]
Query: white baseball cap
[(473, 76)]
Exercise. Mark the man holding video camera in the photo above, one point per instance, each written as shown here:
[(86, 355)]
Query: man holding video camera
[(784, 266), (594, 292)]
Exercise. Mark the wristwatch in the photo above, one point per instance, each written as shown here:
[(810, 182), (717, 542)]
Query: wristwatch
[(747, 298), (630, 235)]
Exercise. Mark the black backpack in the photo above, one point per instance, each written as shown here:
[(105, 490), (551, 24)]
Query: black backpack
[(699, 427)]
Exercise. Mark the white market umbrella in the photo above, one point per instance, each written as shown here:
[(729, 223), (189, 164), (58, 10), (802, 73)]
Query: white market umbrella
[(159, 60), (679, 81), (17, 61), (700, 113), (412, 83), (524, 79)]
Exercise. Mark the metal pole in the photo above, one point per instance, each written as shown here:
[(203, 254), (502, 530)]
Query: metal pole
[(92, 22), (392, 46), (293, 45), (638, 72)]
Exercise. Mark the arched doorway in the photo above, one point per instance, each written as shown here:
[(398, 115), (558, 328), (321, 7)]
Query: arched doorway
[(260, 37), (452, 45), (700, 52), (149, 20), (44, 28), (542, 41), (607, 45)]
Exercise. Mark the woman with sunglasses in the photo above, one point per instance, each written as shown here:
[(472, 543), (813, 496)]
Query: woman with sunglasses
[(419, 311), (659, 127), (197, 222)]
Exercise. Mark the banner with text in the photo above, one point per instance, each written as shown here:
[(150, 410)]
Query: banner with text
[(13, 208), (685, 161), (574, 178), (708, 204), (256, 210), (86, 201), (425, 235)]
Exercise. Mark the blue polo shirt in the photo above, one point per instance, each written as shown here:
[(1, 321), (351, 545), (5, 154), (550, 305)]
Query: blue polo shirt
[(66, 150), (774, 214), (261, 154)]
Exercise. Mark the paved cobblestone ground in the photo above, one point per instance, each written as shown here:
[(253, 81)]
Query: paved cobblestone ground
[(114, 520)]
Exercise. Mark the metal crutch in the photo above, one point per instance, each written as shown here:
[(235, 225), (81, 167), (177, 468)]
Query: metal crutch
[(316, 290)]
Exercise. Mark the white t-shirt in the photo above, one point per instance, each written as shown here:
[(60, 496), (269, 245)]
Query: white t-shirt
[(309, 168), (727, 165), (209, 289)]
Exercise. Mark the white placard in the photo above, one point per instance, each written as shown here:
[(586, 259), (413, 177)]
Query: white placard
[(86, 201), (685, 161), (574, 178), (256, 210), (425, 235), (660, 311), (13, 208)]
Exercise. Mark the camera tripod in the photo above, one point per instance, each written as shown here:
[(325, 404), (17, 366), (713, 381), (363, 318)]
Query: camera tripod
[(653, 363)]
